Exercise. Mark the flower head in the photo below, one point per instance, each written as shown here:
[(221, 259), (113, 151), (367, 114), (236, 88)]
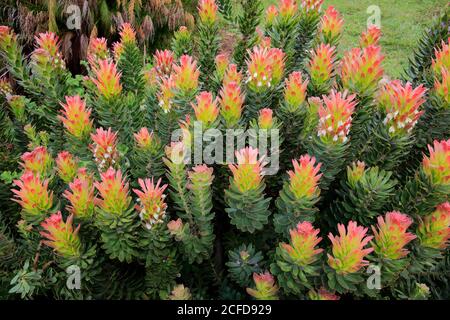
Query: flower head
[(5, 86), (401, 105), (113, 191), (207, 11), (7, 38), (33, 195), (434, 229), (175, 227), (117, 50), (200, 176), (265, 118), (47, 50), (355, 172), (303, 245), (247, 173), (266, 288), (232, 75), (163, 60), (442, 87), (186, 75), (104, 148), (75, 117), (166, 93), (38, 161), (442, 58), (311, 5), (370, 37), (271, 15), (322, 294), (61, 236), (127, 33), (321, 64), (335, 116), (303, 181), (391, 236), (206, 110), (151, 207), (348, 248), (437, 165), (231, 101), (331, 25), (66, 166), (222, 61), (97, 50), (146, 140), (287, 9), (107, 79), (295, 90), (81, 197), (265, 68)]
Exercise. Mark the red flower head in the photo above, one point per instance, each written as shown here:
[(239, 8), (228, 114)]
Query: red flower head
[(303, 245), (322, 294), (113, 191), (207, 11), (434, 230), (104, 148), (231, 101), (361, 70), (266, 289), (348, 248), (186, 75), (107, 79), (265, 118), (370, 37), (163, 62), (232, 75), (206, 110), (97, 50), (38, 161), (336, 116), (75, 117), (247, 173), (61, 236), (303, 181), (401, 105), (81, 197), (222, 61), (295, 90), (151, 207), (391, 236), (67, 166), (127, 33), (331, 25), (322, 63), (442, 58), (437, 166), (33, 195)]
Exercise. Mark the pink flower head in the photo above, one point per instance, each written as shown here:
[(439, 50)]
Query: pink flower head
[(295, 90), (76, 117), (437, 165), (370, 37), (265, 68), (331, 24), (113, 191), (107, 79), (206, 110), (81, 197), (145, 140), (151, 207), (38, 161), (33, 194), (175, 227), (247, 173), (391, 236), (434, 229), (362, 70), (61, 236), (127, 33), (321, 64), (231, 101), (48, 42), (207, 11), (287, 9), (104, 148), (186, 75), (303, 245), (335, 116), (271, 15), (401, 105), (200, 177), (97, 50), (7, 38), (265, 118), (348, 248), (304, 180), (222, 61), (232, 75), (166, 93), (67, 166), (163, 60), (266, 289), (442, 58)]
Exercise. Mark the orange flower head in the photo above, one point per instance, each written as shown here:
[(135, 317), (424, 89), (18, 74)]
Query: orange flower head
[(231, 101), (222, 61), (295, 91), (391, 236), (259, 69), (38, 161), (265, 118), (146, 140), (113, 190), (348, 249), (206, 110), (437, 165), (277, 58), (33, 194), (76, 117), (97, 50), (186, 75), (442, 87), (81, 197), (61, 236), (335, 117), (7, 38), (47, 51), (321, 65), (271, 15), (163, 62), (322, 294), (304, 180), (287, 9), (370, 37), (247, 173), (232, 75), (117, 50), (207, 11), (266, 289), (66, 166), (434, 229), (441, 58), (151, 207), (107, 79), (127, 33), (303, 245), (166, 93), (331, 25), (104, 148)]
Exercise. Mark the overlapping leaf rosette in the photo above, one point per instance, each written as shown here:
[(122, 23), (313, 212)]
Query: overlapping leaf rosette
[(297, 264), (265, 287), (242, 263)]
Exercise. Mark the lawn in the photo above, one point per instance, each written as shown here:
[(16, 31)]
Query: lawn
[(402, 23)]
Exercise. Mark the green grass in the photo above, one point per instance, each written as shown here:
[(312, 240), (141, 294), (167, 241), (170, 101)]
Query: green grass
[(402, 23)]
